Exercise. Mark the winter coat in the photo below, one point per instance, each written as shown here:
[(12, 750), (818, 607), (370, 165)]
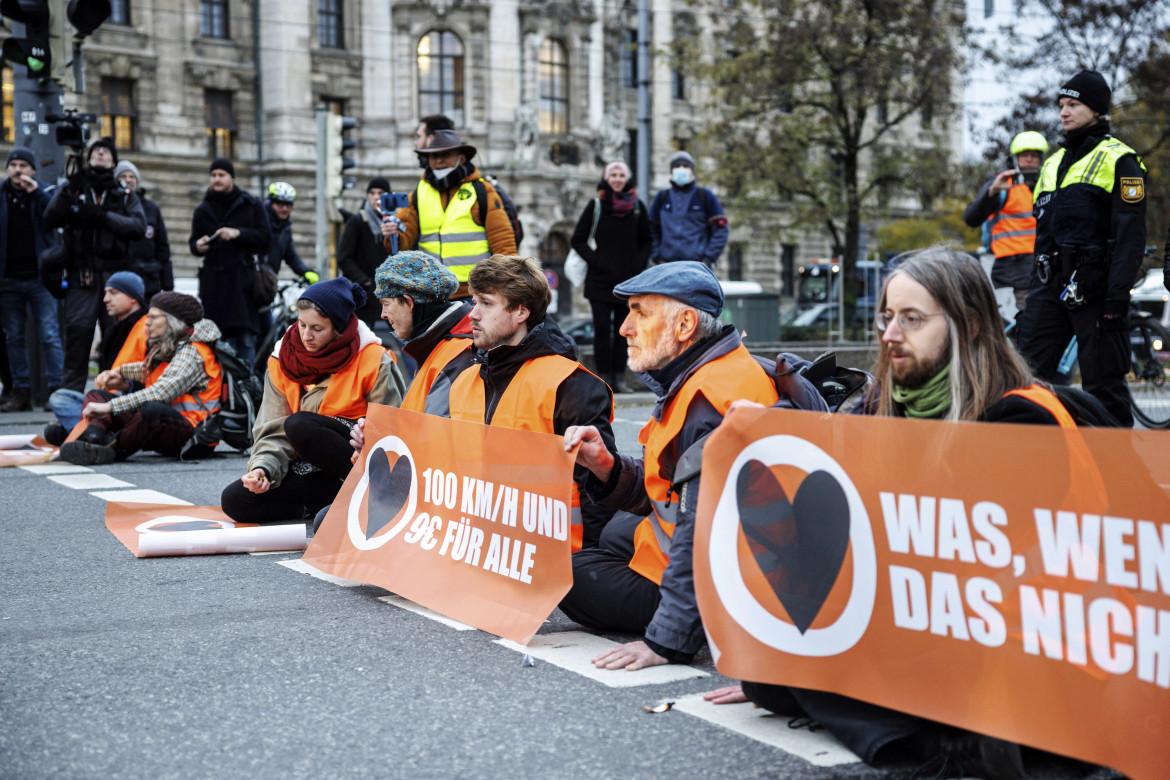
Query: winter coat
[(150, 256), (225, 278), (501, 236), (359, 254), (623, 245), (282, 248), (43, 236), (99, 243), (687, 223)]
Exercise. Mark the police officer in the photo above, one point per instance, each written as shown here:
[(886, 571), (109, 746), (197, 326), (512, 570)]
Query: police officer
[(1004, 209), (1090, 237)]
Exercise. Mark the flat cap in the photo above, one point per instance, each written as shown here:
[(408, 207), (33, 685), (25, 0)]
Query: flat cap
[(684, 280)]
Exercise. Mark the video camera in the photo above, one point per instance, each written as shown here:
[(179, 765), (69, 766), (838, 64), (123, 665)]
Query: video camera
[(73, 131)]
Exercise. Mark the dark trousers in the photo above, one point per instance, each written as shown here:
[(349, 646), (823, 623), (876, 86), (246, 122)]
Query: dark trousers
[(320, 440), (154, 426), (1045, 328), (607, 595), (609, 348), (83, 310)]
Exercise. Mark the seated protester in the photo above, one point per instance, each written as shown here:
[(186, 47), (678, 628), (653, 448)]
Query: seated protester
[(943, 356), (123, 342), (640, 578), (321, 376), (182, 382)]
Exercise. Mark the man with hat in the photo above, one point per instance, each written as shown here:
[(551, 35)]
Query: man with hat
[(122, 342), (101, 218), (455, 215), (23, 236), (640, 577), (150, 257), (360, 251), (1090, 238), (686, 221), (181, 387), (227, 229)]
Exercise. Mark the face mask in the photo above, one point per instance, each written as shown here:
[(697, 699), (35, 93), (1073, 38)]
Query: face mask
[(441, 173), (682, 176)]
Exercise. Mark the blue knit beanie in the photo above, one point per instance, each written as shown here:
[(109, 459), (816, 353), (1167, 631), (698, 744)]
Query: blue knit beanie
[(337, 298), (129, 283)]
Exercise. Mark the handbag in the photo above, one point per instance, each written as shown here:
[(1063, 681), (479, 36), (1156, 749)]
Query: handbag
[(575, 265), (263, 282)]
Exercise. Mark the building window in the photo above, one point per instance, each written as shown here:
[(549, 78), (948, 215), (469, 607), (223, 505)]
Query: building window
[(629, 59), (440, 75), (330, 32), (7, 112), (118, 112), (554, 83), (220, 121), (735, 263), (788, 269), (119, 12), (679, 84), (213, 18)]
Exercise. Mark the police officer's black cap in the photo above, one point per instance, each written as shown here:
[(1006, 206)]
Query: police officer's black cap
[(1090, 88)]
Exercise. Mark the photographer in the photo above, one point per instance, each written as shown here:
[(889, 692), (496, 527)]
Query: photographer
[(100, 218)]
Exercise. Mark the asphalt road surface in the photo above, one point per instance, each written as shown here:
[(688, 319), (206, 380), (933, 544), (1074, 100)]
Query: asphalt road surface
[(246, 666)]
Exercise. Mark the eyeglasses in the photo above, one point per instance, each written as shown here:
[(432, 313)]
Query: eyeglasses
[(908, 319)]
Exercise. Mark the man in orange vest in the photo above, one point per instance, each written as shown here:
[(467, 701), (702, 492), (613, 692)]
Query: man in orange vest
[(640, 577), (1005, 204), (182, 382), (525, 373)]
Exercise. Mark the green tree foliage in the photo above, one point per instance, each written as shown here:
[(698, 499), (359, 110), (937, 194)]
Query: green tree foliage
[(944, 226)]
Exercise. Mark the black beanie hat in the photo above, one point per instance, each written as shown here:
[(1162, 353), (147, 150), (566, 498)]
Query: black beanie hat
[(337, 298), (185, 307), (108, 143), (379, 183), (1090, 88), (22, 153), (223, 164)]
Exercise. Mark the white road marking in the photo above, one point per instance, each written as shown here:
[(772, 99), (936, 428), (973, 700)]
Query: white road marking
[(312, 571), (572, 650), (140, 496), (88, 481), (419, 609), (818, 748), (56, 468)]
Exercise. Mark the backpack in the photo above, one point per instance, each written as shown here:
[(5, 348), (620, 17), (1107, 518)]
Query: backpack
[(509, 206), (1084, 407), (239, 399)]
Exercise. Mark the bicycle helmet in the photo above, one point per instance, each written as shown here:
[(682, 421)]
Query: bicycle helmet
[(285, 192), (1027, 141)]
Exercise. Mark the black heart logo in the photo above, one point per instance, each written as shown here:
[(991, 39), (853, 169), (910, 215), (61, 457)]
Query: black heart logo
[(389, 491), (799, 545), (188, 525)]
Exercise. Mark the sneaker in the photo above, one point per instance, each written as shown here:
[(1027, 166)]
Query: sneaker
[(55, 433), (977, 755), (84, 453)]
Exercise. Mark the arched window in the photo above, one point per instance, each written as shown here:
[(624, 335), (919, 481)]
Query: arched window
[(554, 87), (440, 75)]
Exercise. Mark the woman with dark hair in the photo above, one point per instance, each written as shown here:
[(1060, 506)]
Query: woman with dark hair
[(615, 244), (321, 377)]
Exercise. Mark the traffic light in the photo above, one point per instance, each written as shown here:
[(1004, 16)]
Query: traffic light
[(33, 50), (336, 161), (87, 15)]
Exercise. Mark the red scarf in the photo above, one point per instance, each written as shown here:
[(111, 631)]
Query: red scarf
[(621, 203), (308, 368)]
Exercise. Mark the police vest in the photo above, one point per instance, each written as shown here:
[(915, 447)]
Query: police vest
[(721, 381), (196, 407), (1013, 227), (528, 404), (134, 347), (418, 394), (1081, 202), (451, 235), (1045, 398), (348, 388)]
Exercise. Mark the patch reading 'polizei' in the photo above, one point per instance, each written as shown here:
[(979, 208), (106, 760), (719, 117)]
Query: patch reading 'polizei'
[(1133, 189)]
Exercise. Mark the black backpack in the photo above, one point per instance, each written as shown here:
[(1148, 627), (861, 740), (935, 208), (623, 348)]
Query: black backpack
[(1084, 407), (509, 206), (239, 400)]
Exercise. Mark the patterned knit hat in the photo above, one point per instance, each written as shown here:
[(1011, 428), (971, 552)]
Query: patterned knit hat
[(185, 307), (337, 298), (416, 274)]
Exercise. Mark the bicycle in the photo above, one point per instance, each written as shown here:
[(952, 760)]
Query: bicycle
[(284, 314)]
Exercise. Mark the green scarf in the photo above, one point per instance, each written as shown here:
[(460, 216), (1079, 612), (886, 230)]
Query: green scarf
[(933, 399)]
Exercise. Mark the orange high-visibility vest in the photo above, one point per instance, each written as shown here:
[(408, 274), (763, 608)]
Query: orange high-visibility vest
[(348, 388), (1042, 396), (724, 380), (420, 387), (1013, 231), (134, 347), (196, 407), (527, 404)]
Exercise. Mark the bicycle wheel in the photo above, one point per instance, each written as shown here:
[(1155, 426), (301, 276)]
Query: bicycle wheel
[(1149, 388)]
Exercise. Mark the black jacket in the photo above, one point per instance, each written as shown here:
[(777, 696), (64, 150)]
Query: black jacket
[(115, 337), (623, 246), (282, 248), (225, 278), (150, 256), (100, 218), (359, 254)]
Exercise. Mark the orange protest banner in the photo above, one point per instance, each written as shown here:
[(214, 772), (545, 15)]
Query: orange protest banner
[(150, 530), (469, 520), (24, 450), (1009, 579)]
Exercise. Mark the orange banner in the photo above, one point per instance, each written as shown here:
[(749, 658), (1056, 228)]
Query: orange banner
[(469, 520), (25, 450), (150, 530), (1009, 579)]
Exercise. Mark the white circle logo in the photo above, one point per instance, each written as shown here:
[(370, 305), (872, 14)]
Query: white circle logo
[(380, 513)]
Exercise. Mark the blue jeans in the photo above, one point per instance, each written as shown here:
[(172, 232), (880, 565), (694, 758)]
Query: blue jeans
[(14, 293), (66, 405), (244, 343)]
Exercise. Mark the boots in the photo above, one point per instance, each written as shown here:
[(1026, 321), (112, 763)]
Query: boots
[(90, 449), (19, 402)]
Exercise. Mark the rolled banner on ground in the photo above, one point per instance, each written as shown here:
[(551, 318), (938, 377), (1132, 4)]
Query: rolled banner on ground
[(271, 538), (24, 449)]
